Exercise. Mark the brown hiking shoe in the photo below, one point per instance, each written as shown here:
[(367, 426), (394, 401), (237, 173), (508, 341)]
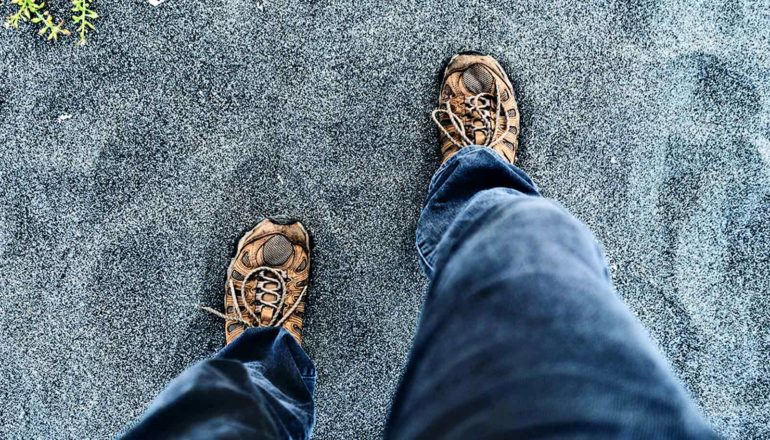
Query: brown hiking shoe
[(267, 280), (477, 106)]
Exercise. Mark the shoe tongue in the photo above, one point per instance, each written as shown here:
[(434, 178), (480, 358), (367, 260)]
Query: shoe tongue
[(478, 79), (480, 138), (266, 315)]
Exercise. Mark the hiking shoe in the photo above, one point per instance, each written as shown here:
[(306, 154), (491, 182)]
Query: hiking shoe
[(477, 106), (267, 280)]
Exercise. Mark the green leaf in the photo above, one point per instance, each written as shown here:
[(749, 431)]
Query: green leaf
[(82, 18), (34, 11)]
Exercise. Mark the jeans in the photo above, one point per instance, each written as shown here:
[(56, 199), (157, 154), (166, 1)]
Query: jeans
[(522, 336)]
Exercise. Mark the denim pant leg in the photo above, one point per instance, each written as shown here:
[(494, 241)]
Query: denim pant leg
[(259, 386), (522, 334)]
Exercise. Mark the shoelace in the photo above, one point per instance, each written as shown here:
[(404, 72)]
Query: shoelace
[(481, 105), (269, 281)]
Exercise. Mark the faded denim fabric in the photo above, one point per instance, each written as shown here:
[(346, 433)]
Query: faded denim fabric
[(260, 386), (521, 336)]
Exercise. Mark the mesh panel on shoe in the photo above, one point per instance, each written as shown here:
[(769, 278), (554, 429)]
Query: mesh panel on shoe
[(277, 250), (478, 79)]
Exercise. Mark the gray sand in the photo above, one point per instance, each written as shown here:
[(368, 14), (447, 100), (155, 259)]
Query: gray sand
[(649, 120)]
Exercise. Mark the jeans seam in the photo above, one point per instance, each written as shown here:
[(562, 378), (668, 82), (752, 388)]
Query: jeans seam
[(421, 240), (423, 257)]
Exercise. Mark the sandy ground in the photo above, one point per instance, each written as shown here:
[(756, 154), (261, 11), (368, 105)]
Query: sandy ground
[(188, 122)]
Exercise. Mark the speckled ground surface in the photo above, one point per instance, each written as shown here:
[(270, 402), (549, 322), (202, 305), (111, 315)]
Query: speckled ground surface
[(650, 120)]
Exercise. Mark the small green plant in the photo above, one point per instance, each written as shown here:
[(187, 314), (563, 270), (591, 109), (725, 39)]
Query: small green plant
[(36, 13), (26, 10), (48, 27), (82, 18)]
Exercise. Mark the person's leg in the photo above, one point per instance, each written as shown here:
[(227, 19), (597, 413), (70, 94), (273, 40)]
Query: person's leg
[(261, 384), (522, 334)]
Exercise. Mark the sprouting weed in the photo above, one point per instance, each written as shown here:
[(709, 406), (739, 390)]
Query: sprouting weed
[(82, 18), (27, 9), (47, 26), (35, 12)]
